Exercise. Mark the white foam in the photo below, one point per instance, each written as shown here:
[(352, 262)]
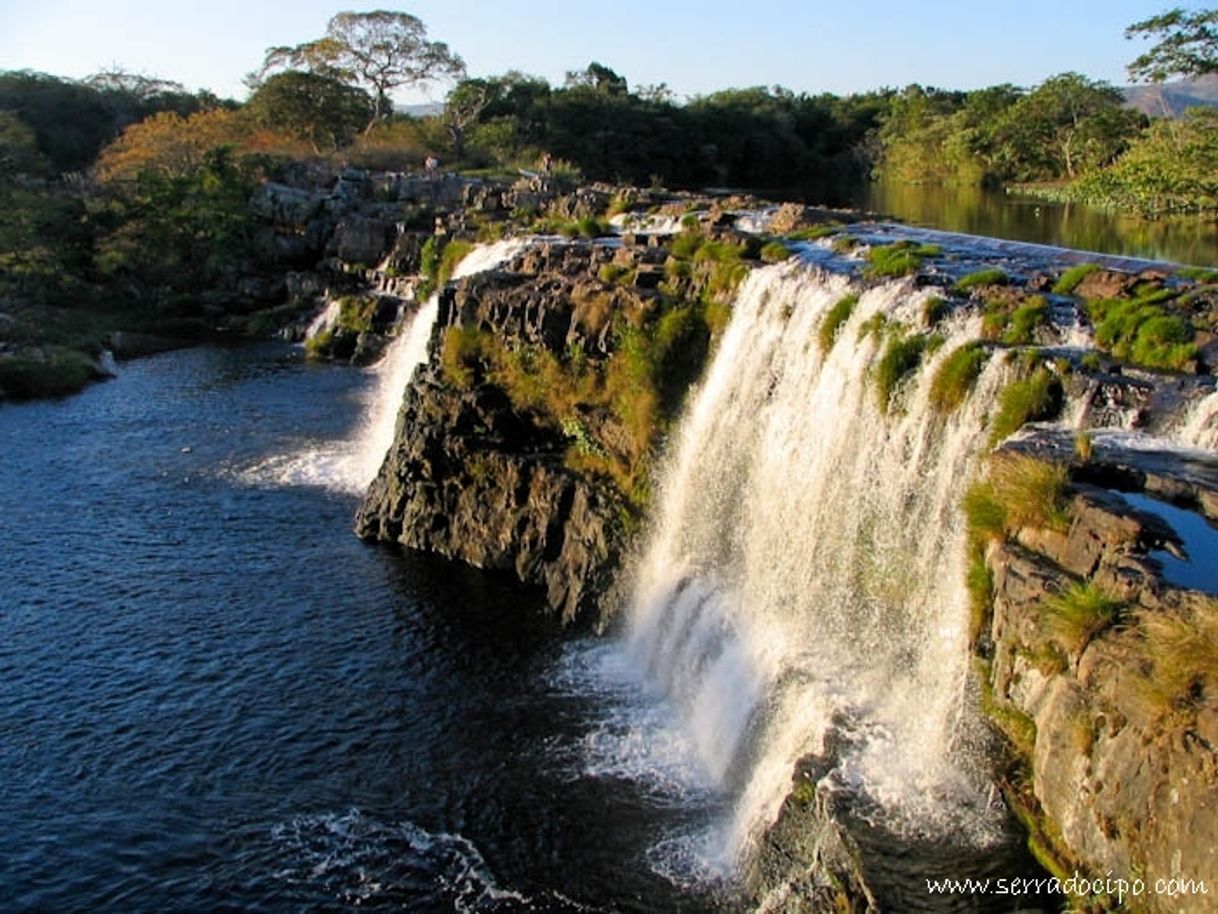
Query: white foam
[(805, 568)]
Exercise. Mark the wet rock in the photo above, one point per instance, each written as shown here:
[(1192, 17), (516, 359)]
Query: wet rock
[(1106, 284)]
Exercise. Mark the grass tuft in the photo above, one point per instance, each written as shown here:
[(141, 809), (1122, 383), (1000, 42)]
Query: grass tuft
[(1069, 280), (956, 375), (834, 320), (1079, 613), (991, 276), (1032, 399)]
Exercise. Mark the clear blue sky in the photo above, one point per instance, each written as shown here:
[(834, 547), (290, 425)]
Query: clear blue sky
[(839, 46)]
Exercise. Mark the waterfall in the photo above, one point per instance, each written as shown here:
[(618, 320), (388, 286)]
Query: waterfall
[(351, 465), (1200, 426), (804, 573), (325, 319)]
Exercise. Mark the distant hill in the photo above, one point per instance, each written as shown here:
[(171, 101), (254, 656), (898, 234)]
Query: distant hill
[(425, 110), (1176, 97)]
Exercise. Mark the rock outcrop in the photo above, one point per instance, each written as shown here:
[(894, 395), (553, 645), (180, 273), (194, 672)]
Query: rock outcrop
[(480, 478), (1114, 700)]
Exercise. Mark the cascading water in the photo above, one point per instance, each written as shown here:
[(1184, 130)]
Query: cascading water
[(351, 465), (325, 319), (804, 571), (1200, 427)]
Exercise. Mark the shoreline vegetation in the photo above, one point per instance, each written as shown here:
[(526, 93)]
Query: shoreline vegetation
[(125, 200)]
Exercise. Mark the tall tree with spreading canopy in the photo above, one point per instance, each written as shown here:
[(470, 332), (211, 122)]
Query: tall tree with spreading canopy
[(380, 51), (1187, 45)]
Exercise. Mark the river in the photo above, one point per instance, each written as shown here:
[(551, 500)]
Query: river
[(214, 697), (1191, 240)]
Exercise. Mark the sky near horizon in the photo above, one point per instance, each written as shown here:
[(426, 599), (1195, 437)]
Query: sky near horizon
[(693, 47)]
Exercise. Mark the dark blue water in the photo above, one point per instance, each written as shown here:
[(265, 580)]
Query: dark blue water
[(214, 697)]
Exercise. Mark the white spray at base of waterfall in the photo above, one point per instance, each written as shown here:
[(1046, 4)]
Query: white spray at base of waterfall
[(804, 572), (350, 465)]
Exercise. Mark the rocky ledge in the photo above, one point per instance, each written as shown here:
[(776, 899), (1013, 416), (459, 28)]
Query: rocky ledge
[(1098, 660)]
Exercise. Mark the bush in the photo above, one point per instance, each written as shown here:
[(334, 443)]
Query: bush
[(833, 321), (65, 372), (956, 375), (1140, 331), (991, 276), (1069, 280), (1033, 399)]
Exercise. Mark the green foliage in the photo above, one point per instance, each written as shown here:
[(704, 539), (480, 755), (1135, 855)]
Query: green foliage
[(989, 276), (898, 258), (1171, 168), (380, 50), (1140, 331), (320, 109), (1031, 313), (1187, 45), (1179, 666), (686, 245), (175, 235), (775, 252), (934, 309), (64, 371), (834, 320), (454, 252), (1079, 613), (318, 345), (1070, 279), (956, 375), (815, 232), (612, 273), (1018, 491), (901, 357), (640, 384), (1032, 399)]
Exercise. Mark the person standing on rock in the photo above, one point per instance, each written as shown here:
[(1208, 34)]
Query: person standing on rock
[(431, 165)]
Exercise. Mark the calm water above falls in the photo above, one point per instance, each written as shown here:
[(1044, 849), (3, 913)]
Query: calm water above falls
[(976, 211), (213, 697)]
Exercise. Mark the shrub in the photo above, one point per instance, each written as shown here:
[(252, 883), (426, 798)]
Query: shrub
[(1079, 613), (1069, 280), (956, 375), (901, 357), (1035, 398), (833, 321), (66, 371), (775, 252), (1140, 331), (991, 276)]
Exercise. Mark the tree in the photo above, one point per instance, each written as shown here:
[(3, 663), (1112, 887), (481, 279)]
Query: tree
[(380, 51), (463, 107), (1067, 125), (325, 112), (1187, 45)]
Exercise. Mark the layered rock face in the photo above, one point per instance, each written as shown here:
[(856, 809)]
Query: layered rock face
[(474, 476), (1116, 701)]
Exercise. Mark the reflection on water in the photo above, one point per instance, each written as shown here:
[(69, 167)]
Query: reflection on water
[(1186, 239)]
